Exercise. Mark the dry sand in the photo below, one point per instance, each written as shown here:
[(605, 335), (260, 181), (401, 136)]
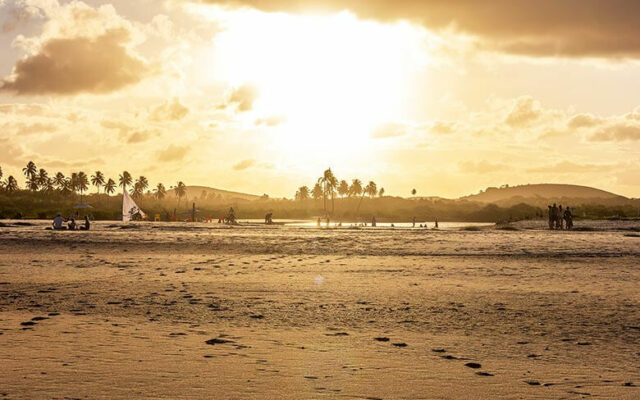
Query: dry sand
[(198, 311)]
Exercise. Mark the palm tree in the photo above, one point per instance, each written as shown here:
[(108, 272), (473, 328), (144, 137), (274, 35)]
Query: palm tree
[(356, 188), (42, 178), (1, 182), (413, 192), (381, 192), (125, 180), (59, 180), (371, 189), (317, 192), (143, 183), (303, 193), (329, 183), (30, 170), (48, 186), (73, 182), (110, 186), (11, 185), (343, 188), (181, 190), (32, 183), (97, 180), (82, 183), (160, 191)]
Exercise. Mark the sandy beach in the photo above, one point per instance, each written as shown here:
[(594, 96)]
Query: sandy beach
[(194, 311)]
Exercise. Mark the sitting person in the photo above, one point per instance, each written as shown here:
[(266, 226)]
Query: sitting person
[(87, 224), (57, 222), (72, 225)]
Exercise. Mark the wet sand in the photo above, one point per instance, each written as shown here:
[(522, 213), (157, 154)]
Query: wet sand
[(201, 311)]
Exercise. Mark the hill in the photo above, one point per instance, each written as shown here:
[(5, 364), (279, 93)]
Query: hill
[(546, 192), (197, 192)]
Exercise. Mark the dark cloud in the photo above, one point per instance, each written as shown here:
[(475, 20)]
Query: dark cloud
[(173, 153), (570, 28), (617, 133), (68, 66)]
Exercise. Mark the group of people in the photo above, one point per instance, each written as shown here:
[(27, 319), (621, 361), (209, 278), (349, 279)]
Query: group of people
[(559, 218), (59, 220)]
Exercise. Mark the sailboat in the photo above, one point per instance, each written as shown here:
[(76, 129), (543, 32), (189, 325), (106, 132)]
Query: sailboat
[(130, 208)]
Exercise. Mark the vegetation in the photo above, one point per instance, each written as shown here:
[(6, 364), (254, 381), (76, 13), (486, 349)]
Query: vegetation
[(46, 194)]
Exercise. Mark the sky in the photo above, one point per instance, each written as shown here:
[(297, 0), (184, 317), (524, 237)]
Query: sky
[(260, 96)]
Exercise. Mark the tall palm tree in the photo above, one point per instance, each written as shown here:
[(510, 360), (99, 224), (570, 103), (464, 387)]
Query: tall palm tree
[(73, 182), (317, 191), (181, 190), (371, 189), (343, 188), (329, 183), (110, 186), (42, 178), (59, 180), (30, 170), (125, 180), (82, 183), (356, 188), (97, 180), (159, 192), (11, 185)]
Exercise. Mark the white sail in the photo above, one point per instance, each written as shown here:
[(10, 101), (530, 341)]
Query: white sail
[(130, 208)]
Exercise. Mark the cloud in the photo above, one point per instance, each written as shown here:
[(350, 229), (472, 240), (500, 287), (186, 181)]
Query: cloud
[(140, 136), (388, 130), (569, 167), (169, 111), (583, 120), (117, 125), (67, 66), (24, 129), (242, 97), (244, 164), (443, 128), (568, 28), (273, 120), (173, 153), (480, 167), (617, 133), (525, 110)]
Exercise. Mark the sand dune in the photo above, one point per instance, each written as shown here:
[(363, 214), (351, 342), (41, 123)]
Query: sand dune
[(201, 311)]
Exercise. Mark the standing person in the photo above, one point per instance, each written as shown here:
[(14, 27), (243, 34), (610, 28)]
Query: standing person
[(559, 217), (554, 216), (436, 227), (413, 220), (550, 217), (373, 221), (568, 218)]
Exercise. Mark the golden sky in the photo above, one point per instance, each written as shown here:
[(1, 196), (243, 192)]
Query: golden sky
[(261, 96)]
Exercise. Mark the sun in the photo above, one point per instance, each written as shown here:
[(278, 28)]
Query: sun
[(330, 80)]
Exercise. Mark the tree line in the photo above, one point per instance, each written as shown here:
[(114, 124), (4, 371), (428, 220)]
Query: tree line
[(39, 180)]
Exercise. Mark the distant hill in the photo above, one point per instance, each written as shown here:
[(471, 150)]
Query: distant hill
[(195, 192), (534, 194)]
